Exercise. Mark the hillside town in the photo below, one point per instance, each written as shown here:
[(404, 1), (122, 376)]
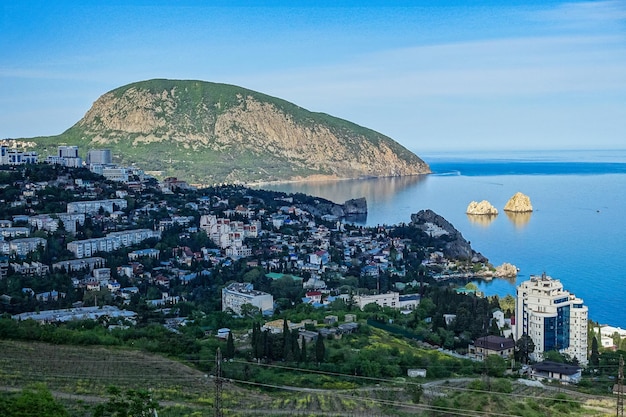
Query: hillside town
[(93, 241)]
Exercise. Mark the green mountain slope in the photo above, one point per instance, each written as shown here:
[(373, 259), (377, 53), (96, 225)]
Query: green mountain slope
[(210, 133)]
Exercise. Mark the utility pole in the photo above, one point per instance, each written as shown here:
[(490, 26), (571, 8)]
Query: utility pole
[(620, 388), (218, 383)]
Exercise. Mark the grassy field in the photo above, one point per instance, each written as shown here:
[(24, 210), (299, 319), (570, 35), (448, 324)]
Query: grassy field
[(78, 376)]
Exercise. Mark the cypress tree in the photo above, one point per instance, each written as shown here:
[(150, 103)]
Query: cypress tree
[(230, 346), (287, 351), (303, 357), (595, 354), (320, 349)]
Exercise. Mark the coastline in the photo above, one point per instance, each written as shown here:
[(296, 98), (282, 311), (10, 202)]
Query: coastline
[(320, 178), (573, 235)]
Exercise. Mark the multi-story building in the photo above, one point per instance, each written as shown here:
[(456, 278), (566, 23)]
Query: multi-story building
[(33, 268), (24, 246), (390, 299), (66, 156), (10, 156), (111, 242), (552, 317), (99, 157), (93, 206), (229, 234), (87, 264), (235, 295), (71, 220), (15, 231), (492, 345)]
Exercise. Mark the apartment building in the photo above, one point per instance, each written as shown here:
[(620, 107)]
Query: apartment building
[(111, 242), (390, 299), (553, 318), (10, 156), (99, 157), (24, 246), (93, 206), (235, 295), (66, 156)]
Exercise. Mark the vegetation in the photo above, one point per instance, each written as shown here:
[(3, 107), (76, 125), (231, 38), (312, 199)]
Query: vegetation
[(196, 106), (173, 350)]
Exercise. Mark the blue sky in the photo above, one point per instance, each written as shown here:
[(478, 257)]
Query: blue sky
[(433, 75)]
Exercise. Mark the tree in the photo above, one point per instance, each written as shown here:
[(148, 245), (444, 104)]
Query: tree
[(230, 347), (131, 403), (415, 391), (320, 349), (248, 310), (554, 356), (303, 357), (524, 347), (495, 365), (32, 401)]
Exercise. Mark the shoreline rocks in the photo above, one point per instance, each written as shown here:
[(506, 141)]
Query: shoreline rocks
[(506, 270), (455, 245), (519, 203), (481, 209)]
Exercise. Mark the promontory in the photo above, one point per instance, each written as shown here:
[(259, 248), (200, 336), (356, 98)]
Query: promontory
[(208, 133)]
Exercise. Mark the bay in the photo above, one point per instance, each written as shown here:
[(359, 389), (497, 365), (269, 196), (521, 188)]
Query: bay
[(576, 233)]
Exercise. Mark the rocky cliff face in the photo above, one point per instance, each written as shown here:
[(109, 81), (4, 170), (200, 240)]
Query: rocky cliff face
[(482, 208), (519, 203), (355, 206), (455, 246), (210, 133)]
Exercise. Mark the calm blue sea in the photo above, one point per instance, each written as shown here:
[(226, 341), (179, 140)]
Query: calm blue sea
[(576, 233)]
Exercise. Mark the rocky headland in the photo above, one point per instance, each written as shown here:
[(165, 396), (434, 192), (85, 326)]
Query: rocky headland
[(506, 270), (352, 207), (455, 246)]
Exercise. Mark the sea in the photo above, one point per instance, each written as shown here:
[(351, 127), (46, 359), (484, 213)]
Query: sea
[(576, 232)]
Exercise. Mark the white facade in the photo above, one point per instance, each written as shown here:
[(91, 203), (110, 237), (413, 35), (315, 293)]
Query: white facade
[(14, 157), (390, 299), (70, 219), (112, 241), (93, 206), (14, 232), (552, 317), (79, 264), (237, 294), (67, 151), (115, 174), (99, 156), (66, 156), (228, 233), (26, 245)]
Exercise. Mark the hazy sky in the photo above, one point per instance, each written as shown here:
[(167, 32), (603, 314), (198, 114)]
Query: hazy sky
[(433, 75)]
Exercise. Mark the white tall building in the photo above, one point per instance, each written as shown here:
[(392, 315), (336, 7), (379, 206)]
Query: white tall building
[(99, 157), (389, 299), (235, 295), (10, 156), (66, 156), (552, 317)]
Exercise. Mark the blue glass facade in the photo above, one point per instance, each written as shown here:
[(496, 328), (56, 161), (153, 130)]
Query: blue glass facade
[(556, 330)]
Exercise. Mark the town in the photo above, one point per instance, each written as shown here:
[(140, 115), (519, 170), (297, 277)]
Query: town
[(265, 274)]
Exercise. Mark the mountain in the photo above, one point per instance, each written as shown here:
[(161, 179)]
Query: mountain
[(210, 133)]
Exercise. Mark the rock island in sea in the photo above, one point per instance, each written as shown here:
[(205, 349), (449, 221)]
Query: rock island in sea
[(519, 203), (482, 208)]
